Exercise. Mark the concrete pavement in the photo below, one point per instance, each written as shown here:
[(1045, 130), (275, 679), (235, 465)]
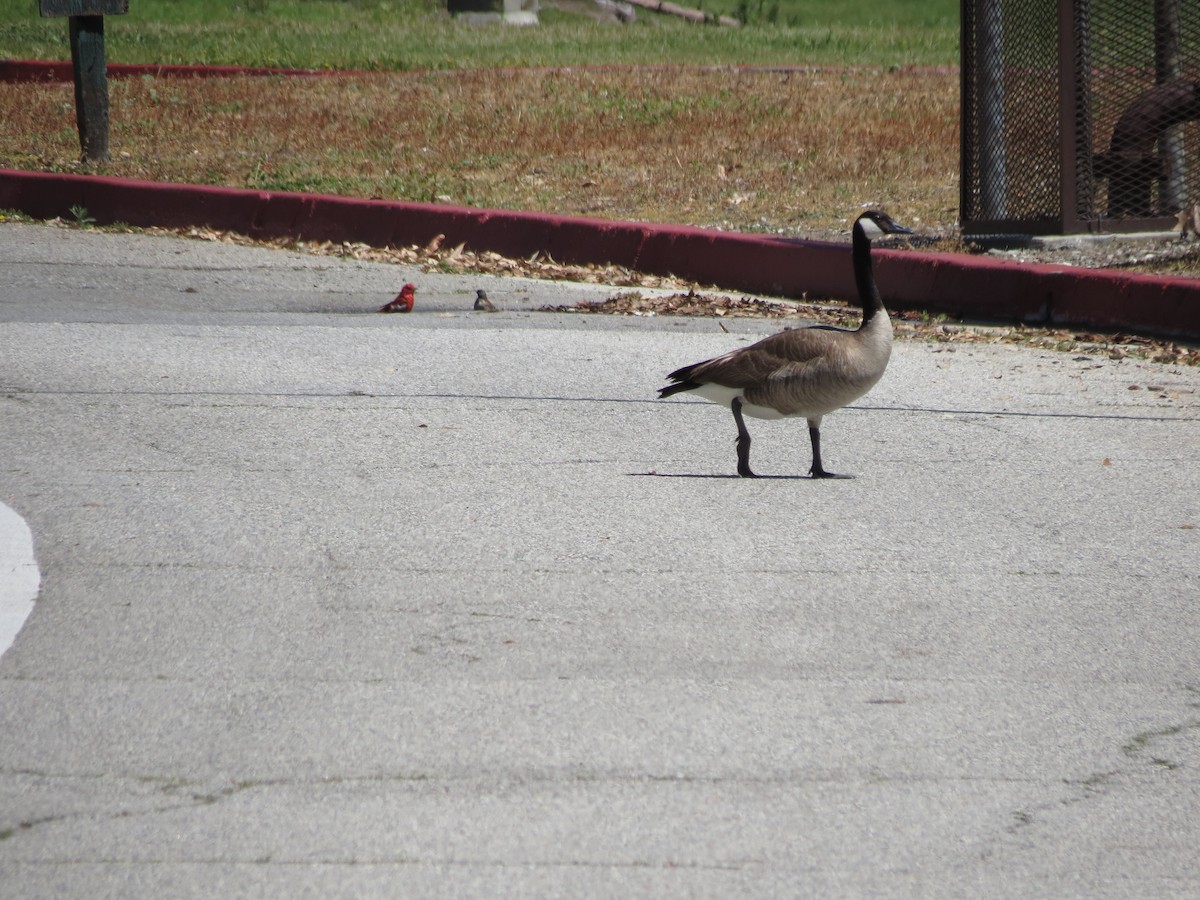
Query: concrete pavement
[(446, 604)]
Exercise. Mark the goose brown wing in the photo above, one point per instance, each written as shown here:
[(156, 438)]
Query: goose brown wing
[(785, 353)]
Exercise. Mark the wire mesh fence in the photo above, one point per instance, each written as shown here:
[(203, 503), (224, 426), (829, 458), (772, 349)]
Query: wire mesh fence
[(1079, 115)]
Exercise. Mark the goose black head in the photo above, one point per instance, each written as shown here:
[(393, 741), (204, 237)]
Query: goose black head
[(875, 222)]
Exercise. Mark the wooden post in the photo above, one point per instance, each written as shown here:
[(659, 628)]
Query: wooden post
[(91, 86), (91, 71)]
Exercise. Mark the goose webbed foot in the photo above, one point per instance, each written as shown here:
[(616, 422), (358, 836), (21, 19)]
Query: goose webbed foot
[(818, 470), (744, 469), (821, 473), (743, 453)]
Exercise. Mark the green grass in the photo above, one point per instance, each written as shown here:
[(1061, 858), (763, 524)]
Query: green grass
[(418, 34), (933, 14)]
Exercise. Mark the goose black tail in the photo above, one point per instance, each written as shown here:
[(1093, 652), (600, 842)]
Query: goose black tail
[(677, 388)]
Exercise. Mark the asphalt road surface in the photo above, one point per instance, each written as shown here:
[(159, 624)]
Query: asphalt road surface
[(338, 604)]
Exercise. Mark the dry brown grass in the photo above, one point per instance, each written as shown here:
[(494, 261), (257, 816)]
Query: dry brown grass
[(788, 151)]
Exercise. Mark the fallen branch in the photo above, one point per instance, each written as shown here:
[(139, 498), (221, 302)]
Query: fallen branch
[(684, 12)]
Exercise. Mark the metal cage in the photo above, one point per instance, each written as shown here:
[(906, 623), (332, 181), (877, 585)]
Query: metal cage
[(1079, 115)]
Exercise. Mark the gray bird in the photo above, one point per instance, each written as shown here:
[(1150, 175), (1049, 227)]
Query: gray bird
[(482, 301)]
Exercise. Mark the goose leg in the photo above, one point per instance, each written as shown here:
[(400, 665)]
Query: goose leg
[(814, 434), (743, 440)]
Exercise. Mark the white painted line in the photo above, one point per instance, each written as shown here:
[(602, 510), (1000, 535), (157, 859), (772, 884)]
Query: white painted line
[(19, 575)]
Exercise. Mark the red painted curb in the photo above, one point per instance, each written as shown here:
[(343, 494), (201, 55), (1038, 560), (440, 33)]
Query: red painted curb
[(970, 287), (24, 70)]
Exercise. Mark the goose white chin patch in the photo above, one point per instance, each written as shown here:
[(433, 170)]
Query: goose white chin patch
[(19, 575)]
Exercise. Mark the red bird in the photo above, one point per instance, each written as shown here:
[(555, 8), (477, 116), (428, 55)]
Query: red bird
[(403, 302)]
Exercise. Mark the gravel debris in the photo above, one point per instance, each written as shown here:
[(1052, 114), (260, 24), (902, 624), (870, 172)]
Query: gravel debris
[(1152, 255)]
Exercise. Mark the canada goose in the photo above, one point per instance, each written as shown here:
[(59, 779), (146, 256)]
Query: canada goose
[(803, 371)]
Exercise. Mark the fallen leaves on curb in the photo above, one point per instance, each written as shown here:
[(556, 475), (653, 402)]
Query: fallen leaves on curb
[(434, 257), (718, 305)]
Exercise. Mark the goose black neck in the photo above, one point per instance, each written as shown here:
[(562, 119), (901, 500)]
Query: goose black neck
[(864, 276)]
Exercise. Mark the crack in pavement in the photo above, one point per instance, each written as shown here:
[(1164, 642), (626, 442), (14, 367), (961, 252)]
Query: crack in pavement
[(1138, 749)]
